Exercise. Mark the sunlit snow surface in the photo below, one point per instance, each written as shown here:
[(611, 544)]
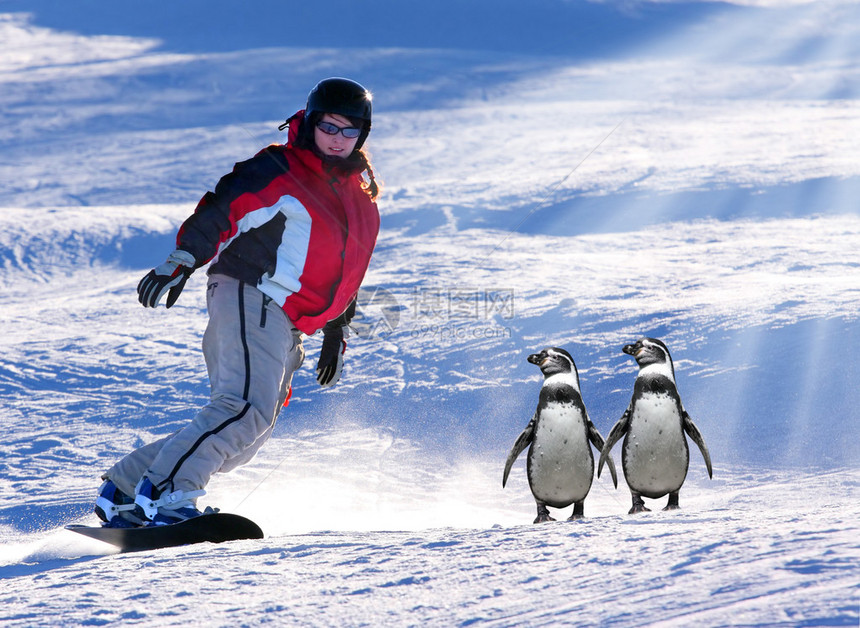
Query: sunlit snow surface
[(699, 185), (760, 550)]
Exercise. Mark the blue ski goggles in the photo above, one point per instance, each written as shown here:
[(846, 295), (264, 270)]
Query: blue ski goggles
[(350, 132)]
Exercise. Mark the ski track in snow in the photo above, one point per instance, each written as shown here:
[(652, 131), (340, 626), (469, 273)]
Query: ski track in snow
[(703, 190)]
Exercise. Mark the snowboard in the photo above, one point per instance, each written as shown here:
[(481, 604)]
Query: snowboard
[(213, 528)]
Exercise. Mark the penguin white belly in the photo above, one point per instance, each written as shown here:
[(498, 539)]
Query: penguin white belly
[(655, 450), (560, 465)]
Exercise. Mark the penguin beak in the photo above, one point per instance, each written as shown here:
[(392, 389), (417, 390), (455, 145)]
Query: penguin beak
[(534, 358), (634, 350)]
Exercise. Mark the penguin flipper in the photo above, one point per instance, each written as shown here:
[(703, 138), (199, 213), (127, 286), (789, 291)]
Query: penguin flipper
[(694, 433), (521, 443), (597, 440), (618, 430)]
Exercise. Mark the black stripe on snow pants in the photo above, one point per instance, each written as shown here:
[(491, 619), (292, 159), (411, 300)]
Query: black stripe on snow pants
[(251, 350)]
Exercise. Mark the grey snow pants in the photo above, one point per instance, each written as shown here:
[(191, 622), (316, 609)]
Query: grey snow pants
[(251, 350)]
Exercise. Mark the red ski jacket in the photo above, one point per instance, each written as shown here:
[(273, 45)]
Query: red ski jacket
[(292, 225)]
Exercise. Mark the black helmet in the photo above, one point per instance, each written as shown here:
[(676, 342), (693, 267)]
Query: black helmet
[(343, 97)]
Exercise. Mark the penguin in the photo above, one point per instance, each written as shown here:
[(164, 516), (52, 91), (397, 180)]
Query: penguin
[(654, 456), (560, 463)]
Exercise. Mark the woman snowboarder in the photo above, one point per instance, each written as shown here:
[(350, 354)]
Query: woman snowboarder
[(288, 235)]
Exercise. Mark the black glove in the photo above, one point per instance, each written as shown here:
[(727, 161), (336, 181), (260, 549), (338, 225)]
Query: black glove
[(331, 355), (170, 276)]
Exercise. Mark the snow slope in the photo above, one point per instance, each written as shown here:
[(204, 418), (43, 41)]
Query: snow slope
[(577, 175)]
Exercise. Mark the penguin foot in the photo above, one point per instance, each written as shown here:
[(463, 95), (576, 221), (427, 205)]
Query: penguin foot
[(576, 517), (638, 505), (673, 502), (542, 513)]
